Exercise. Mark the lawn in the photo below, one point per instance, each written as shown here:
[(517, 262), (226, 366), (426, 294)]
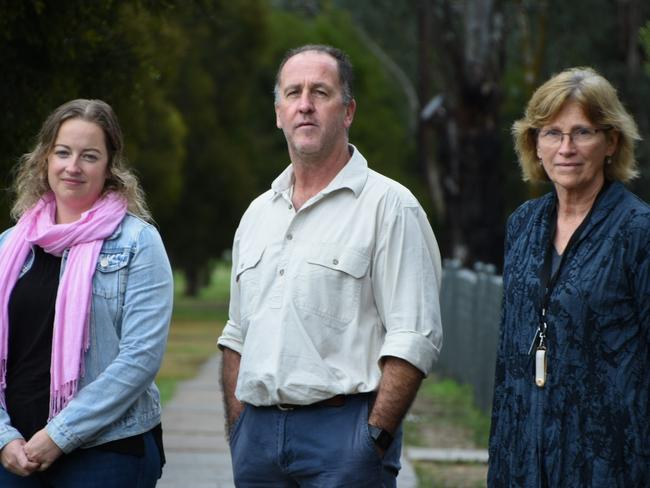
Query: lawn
[(443, 415), (196, 325)]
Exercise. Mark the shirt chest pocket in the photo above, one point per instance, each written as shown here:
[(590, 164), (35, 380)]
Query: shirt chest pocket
[(329, 284), (248, 281), (110, 276)]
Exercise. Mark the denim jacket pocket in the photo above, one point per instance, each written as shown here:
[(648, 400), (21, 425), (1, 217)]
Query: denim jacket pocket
[(110, 274), (109, 286)]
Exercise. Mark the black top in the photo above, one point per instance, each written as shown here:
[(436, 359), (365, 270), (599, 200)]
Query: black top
[(31, 323), (556, 259)]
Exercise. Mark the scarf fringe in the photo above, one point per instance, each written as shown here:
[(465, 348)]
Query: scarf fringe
[(3, 383), (60, 398)]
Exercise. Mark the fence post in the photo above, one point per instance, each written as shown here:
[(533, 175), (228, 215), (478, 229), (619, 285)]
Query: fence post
[(470, 308)]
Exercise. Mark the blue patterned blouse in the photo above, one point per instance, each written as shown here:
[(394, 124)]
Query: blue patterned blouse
[(589, 425)]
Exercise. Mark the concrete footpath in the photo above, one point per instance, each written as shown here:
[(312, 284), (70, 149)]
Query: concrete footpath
[(195, 443), (193, 433)]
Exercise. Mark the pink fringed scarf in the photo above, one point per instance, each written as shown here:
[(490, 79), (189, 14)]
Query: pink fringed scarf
[(84, 238)]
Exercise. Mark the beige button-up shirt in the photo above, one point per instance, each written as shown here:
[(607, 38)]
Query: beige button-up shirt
[(318, 296)]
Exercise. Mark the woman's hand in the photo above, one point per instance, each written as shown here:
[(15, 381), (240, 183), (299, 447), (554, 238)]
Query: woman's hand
[(41, 449), (15, 460)]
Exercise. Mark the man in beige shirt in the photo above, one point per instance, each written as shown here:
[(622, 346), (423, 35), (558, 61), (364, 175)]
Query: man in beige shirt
[(334, 315)]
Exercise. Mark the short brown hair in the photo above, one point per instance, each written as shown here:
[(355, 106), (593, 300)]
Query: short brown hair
[(346, 72)]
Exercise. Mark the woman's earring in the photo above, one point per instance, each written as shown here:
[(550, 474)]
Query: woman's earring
[(608, 160)]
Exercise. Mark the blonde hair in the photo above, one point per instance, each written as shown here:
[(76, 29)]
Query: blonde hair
[(601, 105), (31, 183)]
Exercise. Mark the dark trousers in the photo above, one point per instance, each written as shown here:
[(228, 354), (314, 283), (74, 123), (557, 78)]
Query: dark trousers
[(94, 468), (313, 447)]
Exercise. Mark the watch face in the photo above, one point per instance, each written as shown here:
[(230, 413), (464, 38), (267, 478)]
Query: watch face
[(374, 432), (381, 437)]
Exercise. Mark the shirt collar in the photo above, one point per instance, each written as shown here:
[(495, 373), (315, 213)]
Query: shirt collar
[(352, 176)]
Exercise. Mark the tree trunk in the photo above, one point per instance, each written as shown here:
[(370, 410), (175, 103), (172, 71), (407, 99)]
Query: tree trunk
[(469, 64), (192, 281), (425, 127)]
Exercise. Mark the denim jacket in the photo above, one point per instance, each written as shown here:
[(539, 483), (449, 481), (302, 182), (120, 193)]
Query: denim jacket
[(130, 314)]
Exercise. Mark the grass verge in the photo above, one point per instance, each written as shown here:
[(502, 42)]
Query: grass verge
[(443, 415), (194, 330), (454, 404)]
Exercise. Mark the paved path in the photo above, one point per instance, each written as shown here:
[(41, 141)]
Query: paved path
[(193, 429), (195, 445), (451, 456)]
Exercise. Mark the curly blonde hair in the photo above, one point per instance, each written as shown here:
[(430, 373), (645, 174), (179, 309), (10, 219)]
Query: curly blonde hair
[(601, 105), (31, 183)]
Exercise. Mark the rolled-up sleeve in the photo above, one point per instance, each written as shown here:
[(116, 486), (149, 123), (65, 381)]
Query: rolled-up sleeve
[(406, 286), (231, 337)]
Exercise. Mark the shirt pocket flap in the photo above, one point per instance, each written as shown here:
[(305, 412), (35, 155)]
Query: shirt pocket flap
[(248, 259), (345, 259), (109, 262)]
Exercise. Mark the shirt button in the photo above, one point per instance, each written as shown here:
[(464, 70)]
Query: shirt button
[(289, 237), (335, 262), (281, 272), (290, 206), (104, 262)]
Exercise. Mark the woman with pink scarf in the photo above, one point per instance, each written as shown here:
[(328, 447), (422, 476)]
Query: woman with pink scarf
[(85, 305)]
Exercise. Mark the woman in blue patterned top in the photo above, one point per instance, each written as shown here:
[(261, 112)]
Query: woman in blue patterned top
[(572, 388)]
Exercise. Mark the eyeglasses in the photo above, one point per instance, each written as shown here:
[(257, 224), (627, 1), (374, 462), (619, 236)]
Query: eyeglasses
[(579, 136)]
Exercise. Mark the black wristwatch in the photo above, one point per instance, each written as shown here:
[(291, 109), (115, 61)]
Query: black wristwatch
[(382, 438)]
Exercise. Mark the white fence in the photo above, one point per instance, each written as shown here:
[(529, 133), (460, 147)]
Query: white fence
[(471, 311)]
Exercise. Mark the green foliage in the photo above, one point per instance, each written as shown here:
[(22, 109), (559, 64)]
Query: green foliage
[(393, 25), (610, 40), (450, 476), (214, 93), (154, 128), (217, 290), (55, 52), (380, 127), (456, 403), (196, 324), (192, 85), (234, 150), (644, 36)]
